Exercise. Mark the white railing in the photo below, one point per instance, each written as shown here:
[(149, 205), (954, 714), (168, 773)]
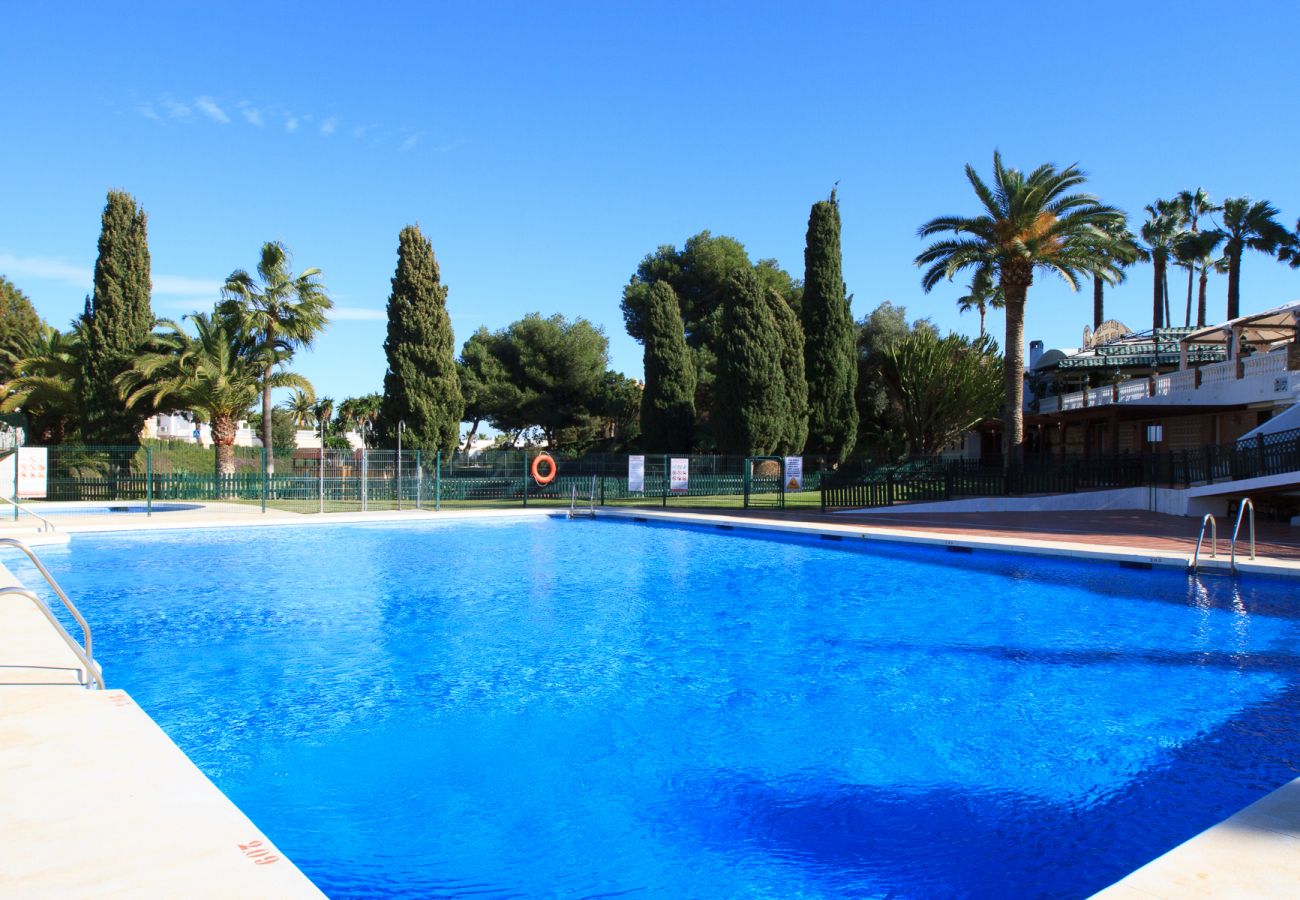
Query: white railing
[(1101, 396), (1135, 389), (1218, 372), (1072, 401), (1264, 363), (1049, 404)]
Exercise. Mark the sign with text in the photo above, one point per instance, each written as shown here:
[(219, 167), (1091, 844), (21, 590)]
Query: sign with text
[(33, 467), (679, 475), (794, 473), (635, 473)]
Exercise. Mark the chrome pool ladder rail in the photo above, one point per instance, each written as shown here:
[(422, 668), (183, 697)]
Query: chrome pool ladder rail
[(590, 511), (91, 667), (1236, 529), (1214, 541), (58, 591), (46, 524)]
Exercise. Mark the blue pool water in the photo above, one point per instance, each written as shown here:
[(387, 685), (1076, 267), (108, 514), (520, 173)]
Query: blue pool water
[(591, 709)]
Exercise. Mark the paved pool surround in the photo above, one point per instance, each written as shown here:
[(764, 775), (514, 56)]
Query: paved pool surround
[(103, 803)]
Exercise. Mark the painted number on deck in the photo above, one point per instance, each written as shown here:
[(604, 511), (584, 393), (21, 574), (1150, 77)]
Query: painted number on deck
[(258, 853)]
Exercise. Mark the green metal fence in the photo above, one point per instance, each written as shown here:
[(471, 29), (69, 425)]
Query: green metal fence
[(322, 481)]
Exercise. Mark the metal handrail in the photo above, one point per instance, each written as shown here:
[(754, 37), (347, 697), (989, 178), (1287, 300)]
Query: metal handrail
[(92, 669), (591, 501), (54, 585), (47, 524), (1214, 541), (1241, 511)]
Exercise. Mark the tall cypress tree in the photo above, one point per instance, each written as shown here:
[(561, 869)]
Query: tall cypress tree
[(421, 386), (751, 403), (668, 402), (830, 348), (795, 433), (118, 321)]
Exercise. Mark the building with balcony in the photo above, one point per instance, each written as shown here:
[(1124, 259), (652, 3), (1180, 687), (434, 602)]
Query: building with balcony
[(1202, 386)]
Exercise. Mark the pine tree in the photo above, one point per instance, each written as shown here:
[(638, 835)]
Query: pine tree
[(794, 435), (118, 322), (668, 403), (421, 386), (830, 350), (751, 408)]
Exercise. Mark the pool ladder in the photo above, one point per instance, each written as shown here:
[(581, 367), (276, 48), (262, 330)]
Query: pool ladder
[(576, 511), (84, 651), (1209, 520)]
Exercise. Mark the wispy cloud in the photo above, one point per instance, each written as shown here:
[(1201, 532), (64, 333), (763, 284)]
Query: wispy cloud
[(176, 109), (61, 271), (327, 127), (209, 108), (147, 110), (252, 115), (411, 141), (357, 314), (291, 124)]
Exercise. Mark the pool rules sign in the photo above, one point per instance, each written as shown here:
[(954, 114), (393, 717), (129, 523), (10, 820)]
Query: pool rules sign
[(24, 474), (794, 473)]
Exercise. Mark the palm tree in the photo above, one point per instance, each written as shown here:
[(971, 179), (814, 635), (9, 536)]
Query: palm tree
[(360, 413), (1164, 220), (1029, 223), (302, 406), (285, 312), (1193, 204), (1290, 251), (324, 412), (984, 295), (1127, 251), (217, 375), (45, 384), (1250, 225), (1196, 250)]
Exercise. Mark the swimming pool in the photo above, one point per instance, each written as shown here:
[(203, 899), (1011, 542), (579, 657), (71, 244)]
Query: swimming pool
[(87, 509), (588, 708)]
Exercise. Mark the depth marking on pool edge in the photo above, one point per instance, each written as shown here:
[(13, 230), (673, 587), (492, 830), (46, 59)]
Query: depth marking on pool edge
[(258, 853)]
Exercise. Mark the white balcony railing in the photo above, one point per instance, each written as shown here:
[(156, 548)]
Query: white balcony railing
[(1101, 396), (1134, 389), (1264, 363), (1218, 372)]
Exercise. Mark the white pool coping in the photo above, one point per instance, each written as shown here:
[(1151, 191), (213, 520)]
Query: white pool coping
[(69, 756)]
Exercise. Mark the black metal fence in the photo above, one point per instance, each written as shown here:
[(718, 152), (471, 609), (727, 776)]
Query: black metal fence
[(936, 479)]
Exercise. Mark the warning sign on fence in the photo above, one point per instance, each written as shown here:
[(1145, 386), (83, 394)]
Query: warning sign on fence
[(794, 473), (635, 473), (679, 471)]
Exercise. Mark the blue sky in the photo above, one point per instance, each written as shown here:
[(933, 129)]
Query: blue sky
[(545, 148)]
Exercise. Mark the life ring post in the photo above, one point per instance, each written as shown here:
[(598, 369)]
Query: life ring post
[(551, 469)]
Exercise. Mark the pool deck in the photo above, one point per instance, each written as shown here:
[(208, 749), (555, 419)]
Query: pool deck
[(101, 802)]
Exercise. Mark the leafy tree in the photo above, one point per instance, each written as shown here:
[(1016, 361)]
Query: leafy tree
[(217, 374), (668, 403), (1290, 250), (285, 312), (421, 386), (118, 323), (284, 430), (830, 353), (612, 422), (359, 414), (20, 327), (1029, 223), (750, 418), (485, 384), (44, 386), (557, 366), (941, 387), (880, 434), (983, 294), (1247, 225), (794, 434)]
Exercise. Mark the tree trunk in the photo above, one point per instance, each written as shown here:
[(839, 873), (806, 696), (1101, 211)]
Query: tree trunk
[(1200, 300), (473, 433), (982, 311), (1015, 287), (223, 439), (266, 422), (1098, 302), (1234, 281), (1169, 318), (1191, 272), (1157, 296)]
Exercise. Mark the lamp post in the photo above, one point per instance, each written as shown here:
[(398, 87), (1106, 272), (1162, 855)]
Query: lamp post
[(401, 427)]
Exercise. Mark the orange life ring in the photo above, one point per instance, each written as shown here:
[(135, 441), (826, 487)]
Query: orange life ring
[(537, 463)]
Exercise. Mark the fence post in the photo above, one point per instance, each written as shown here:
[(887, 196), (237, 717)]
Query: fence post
[(437, 482), (266, 479), (419, 480), (17, 452), (889, 489), (148, 483), (525, 455)]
